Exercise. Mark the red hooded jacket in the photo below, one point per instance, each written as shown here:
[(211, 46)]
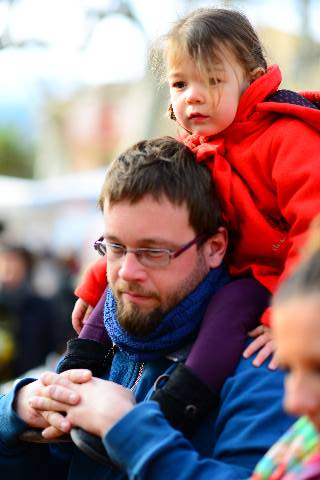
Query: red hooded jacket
[(266, 169)]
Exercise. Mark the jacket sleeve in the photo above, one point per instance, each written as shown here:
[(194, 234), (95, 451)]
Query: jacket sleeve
[(22, 460), (250, 419), (296, 177), (94, 283)]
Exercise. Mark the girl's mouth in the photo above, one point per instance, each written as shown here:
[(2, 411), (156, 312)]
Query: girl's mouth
[(197, 116)]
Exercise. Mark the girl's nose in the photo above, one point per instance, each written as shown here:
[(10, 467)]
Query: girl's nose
[(195, 95), (300, 397)]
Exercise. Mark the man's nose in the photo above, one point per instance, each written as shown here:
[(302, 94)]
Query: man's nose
[(130, 268), (300, 397)]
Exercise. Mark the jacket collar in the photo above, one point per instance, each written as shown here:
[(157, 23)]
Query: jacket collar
[(257, 92)]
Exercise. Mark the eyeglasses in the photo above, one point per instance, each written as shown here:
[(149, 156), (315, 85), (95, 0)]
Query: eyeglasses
[(148, 257)]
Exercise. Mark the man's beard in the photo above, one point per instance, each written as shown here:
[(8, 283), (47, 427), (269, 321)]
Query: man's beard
[(139, 323)]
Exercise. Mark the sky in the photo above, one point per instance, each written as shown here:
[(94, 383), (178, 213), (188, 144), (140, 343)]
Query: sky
[(115, 52)]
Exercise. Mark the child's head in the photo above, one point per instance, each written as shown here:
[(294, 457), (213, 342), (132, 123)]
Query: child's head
[(296, 326), (211, 57)]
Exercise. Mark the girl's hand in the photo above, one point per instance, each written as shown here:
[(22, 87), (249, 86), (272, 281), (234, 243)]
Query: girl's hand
[(80, 313), (265, 344)]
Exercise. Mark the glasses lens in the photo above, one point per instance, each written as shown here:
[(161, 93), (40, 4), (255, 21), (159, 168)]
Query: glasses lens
[(153, 258), (114, 251)]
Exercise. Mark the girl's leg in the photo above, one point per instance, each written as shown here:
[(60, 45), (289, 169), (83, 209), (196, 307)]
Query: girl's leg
[(93, 328), (92, 348), (231, 314), (192, 389)]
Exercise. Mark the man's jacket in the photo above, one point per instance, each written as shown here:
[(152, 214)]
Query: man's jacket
[(227, 445)]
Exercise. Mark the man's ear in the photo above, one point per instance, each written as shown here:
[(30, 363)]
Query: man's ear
[(215, 248), (256, 73)]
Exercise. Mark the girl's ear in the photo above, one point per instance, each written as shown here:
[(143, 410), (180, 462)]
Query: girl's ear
[(256, 73), (215, 248)]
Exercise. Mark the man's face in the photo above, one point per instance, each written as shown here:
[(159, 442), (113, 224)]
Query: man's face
[(145, 294)]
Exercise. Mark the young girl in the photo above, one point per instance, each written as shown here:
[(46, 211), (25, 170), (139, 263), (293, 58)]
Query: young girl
[(296, 325), (262, 147)]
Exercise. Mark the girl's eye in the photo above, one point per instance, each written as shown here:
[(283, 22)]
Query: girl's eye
[(178, 85), (213, 81)]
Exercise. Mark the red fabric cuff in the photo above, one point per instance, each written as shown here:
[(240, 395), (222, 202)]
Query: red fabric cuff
[(266, 317), (94, 283)]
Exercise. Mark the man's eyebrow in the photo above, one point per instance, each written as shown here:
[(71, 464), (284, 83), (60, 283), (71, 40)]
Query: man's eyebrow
[(164, 243), (155, 242), (111, 238)]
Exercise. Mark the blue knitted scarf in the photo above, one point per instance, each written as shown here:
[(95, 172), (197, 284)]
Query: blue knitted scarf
[(177, 328)]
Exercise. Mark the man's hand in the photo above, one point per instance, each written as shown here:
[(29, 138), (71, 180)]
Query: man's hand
[(265, 344), (23, 408), (54, 423), (102, 403), (33, 417), (80, 313)]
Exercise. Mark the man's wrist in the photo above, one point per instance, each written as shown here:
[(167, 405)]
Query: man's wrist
[(135, 435), (12, 425), (106, 424), (19, 400)]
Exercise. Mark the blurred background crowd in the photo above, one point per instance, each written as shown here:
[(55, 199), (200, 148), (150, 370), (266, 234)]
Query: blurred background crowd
[(76, 88)]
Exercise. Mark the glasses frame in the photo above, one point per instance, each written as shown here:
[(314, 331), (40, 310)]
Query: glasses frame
[(101, 247)]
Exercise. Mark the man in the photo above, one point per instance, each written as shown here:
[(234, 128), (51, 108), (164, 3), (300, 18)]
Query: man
[(165, 246)]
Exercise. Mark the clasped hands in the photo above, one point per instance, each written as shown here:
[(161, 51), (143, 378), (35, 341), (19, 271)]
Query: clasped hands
[(57, 402)]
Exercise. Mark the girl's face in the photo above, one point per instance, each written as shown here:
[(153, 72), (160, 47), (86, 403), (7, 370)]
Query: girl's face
[(296, 325), (206, 106)]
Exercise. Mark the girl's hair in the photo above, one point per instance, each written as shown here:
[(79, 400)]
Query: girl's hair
[(204, 33), (305, 280)]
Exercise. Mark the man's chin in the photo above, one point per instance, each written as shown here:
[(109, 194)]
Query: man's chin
[(137, 321)]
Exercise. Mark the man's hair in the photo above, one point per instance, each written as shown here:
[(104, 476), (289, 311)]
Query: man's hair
[(164, 168)]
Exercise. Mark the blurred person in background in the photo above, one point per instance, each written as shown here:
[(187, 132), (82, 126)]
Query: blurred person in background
[(54, 278), (2, 227), (29, 318), (296, 326), (6, 340)]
